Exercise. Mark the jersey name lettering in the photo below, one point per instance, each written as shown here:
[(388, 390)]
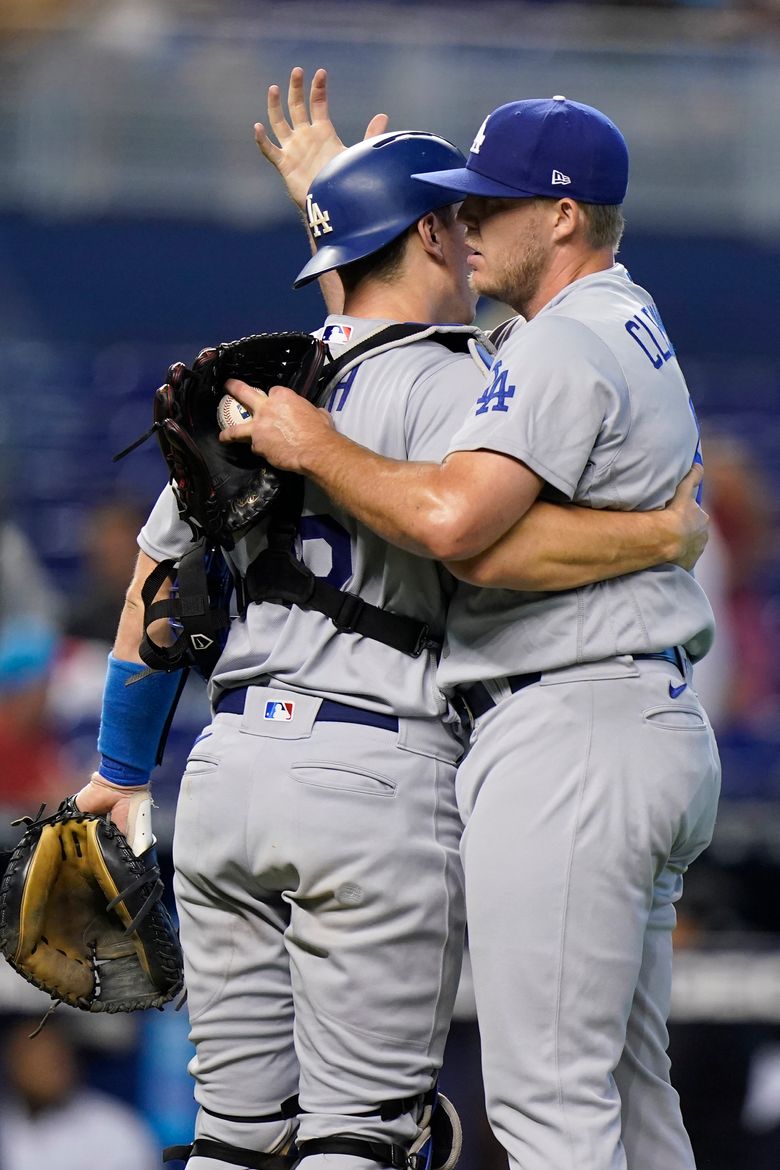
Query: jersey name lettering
[(319, 221), (494, 396), (653, 341), (340, 392)]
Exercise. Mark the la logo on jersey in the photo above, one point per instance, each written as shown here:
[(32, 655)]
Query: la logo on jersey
[(319, 221), (477, 143), (495, 395), (558, 179), (279, 711)]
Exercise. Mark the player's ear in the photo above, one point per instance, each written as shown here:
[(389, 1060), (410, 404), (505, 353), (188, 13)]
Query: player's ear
[(568, 216), (429, 232)]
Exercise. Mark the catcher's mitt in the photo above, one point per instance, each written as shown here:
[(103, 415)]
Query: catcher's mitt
[(223, 488), (81, 916)]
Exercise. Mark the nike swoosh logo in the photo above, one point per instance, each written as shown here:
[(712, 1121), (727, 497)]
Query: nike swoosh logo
[(675, 692)]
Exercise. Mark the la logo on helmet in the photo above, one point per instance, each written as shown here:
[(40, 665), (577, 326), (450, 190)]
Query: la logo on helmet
[(319, 221)]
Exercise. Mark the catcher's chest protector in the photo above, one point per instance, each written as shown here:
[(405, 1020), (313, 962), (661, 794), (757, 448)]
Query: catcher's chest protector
[(185, 420)]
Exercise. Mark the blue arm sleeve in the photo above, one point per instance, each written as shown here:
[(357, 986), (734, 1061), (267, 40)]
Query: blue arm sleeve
[(136, 706)]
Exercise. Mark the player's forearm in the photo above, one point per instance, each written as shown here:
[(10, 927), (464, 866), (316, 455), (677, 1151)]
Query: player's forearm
[(136, 703), (402, 502), (130, 630), (555, 547)]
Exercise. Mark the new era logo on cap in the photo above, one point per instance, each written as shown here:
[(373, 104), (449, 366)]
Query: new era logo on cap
[(538, 146)]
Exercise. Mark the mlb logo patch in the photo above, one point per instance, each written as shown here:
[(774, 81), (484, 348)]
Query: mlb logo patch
[(276, 710), (338, 334)]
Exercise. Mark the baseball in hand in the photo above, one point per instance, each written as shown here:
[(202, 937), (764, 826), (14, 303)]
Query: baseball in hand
[(230, 412)]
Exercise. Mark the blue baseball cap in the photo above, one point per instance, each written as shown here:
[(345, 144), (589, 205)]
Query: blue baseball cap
[(542, 146)]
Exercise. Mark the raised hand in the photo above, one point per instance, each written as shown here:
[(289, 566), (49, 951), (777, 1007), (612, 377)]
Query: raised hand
[(306, 139)]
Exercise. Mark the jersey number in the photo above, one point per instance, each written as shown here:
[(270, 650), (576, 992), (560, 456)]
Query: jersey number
[(325, 530)]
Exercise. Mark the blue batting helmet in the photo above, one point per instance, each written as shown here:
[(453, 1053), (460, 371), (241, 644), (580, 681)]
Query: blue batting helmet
[(366, 196)]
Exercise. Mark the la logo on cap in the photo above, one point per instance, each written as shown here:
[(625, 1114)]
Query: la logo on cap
[(480, 138), (559, 179)]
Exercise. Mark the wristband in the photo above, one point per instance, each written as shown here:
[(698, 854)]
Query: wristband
[(135, 711)]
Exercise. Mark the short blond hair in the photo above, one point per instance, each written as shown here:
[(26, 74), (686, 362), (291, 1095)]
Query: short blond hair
[(605, 225)]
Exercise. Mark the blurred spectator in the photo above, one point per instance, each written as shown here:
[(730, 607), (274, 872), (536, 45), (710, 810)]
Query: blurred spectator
[(761, 1110), (109, 552), (49, 1119), (32, 768), (25, 592), (714, 673), (740, 502), (24, 16)]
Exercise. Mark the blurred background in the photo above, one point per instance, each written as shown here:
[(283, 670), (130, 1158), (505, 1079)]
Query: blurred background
[(138, 222)]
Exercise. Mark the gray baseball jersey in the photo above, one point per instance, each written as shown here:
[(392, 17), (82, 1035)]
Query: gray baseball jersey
[(589, 394), (406, 403)]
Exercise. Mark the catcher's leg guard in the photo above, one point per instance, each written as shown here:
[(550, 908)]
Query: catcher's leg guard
[(281, 1154), (227, 1155), (442, 1136), (437, 1146)]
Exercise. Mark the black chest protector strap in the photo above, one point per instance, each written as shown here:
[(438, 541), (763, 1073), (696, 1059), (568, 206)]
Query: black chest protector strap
[(276, 574)]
